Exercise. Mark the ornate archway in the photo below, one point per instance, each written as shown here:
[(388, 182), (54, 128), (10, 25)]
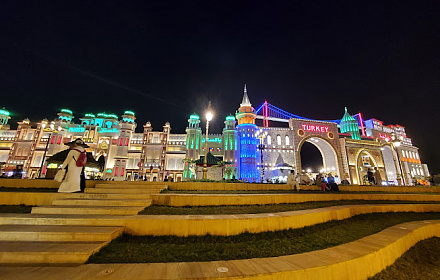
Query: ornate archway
[(364, 162), (323, 135), (330, 158)]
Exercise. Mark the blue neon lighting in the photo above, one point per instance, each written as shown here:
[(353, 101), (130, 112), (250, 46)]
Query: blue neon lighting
[(276, 112), (248, 153)]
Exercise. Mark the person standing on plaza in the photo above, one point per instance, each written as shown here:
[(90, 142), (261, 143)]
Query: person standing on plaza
[(377, 176), (291, 181), (370, 177), (72, 181)]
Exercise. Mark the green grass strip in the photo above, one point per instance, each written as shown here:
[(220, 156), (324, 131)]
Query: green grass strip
[(255, 209), (15, 209), (7, 189), (150, 249), (422, 261)]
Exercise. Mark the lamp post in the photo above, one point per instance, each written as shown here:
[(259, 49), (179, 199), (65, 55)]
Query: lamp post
[(208, 116), (261, 135), (51, 130)]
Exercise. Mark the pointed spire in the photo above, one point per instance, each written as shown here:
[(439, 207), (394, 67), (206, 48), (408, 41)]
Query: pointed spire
[(245, 101)]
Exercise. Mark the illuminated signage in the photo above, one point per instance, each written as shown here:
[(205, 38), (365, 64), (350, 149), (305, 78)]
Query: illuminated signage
[(218, 140), (108, 130), (77, 129), (315, 128), (383, 136)]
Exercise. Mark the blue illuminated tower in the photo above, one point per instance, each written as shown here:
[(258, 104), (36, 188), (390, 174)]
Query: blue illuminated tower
[(247, 142)]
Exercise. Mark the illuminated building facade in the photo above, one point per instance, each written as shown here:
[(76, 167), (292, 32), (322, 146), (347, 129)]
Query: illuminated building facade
[(247, 141), (349, 146)]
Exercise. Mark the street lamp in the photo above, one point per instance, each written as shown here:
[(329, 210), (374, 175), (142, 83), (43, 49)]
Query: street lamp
[(261, 135), (209, 115), (51, 129)]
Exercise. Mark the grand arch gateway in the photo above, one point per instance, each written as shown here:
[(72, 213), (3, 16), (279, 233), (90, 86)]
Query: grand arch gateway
[(324, 135)]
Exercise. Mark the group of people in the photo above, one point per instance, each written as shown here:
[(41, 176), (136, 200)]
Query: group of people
[(325, 184)]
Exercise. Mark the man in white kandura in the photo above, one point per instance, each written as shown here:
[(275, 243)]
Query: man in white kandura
[(72, 181)]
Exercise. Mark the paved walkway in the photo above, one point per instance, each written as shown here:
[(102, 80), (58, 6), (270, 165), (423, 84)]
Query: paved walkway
[(53, 241)]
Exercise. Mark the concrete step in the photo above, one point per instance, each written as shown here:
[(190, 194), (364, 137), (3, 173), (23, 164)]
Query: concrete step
[(90, 210), (113, 196), (103, 202), (62, 219), (58, 233), (122, 191), (131, 186), (31, 252)]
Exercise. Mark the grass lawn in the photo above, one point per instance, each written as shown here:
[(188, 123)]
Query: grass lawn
[(255, 209), (420, 262), (15, 208), (148, 249)]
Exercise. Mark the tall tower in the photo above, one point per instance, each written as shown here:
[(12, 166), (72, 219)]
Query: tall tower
[(4, 117), (247, 141), (350, 125), (147, 132), (127, 127), (193, 137), (229, 139)]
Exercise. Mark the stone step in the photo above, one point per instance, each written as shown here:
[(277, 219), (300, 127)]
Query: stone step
[(58, 233), (103, 202), (32, 252), (62, 219), (122, 191), (131, 186), (94, 210), (112, 196)]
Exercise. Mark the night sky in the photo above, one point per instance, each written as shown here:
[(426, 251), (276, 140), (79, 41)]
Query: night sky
[(165, 59)]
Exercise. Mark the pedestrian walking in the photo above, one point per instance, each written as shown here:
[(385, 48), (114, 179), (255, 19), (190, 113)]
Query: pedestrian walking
[(72, 181)]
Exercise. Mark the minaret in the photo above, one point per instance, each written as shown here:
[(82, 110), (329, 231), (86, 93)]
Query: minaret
[(229, 139), (127, 127), (350, 125), (247, 142), (193, 147), (4, 117)]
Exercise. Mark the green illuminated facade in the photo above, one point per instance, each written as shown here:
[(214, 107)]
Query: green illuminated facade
[(350, 125)]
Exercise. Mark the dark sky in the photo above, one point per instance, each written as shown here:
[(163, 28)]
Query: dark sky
[(165, 59)]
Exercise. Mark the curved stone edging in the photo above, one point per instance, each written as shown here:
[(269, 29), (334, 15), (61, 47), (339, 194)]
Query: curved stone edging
[(254, 199), (184, 225), (355, 260)]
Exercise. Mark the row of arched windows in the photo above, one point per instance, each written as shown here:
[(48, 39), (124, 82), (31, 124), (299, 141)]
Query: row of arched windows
[(278, 140)]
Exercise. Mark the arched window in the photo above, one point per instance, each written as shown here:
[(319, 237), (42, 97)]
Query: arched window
[(287, 140), (269, 140), (278, 139)]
